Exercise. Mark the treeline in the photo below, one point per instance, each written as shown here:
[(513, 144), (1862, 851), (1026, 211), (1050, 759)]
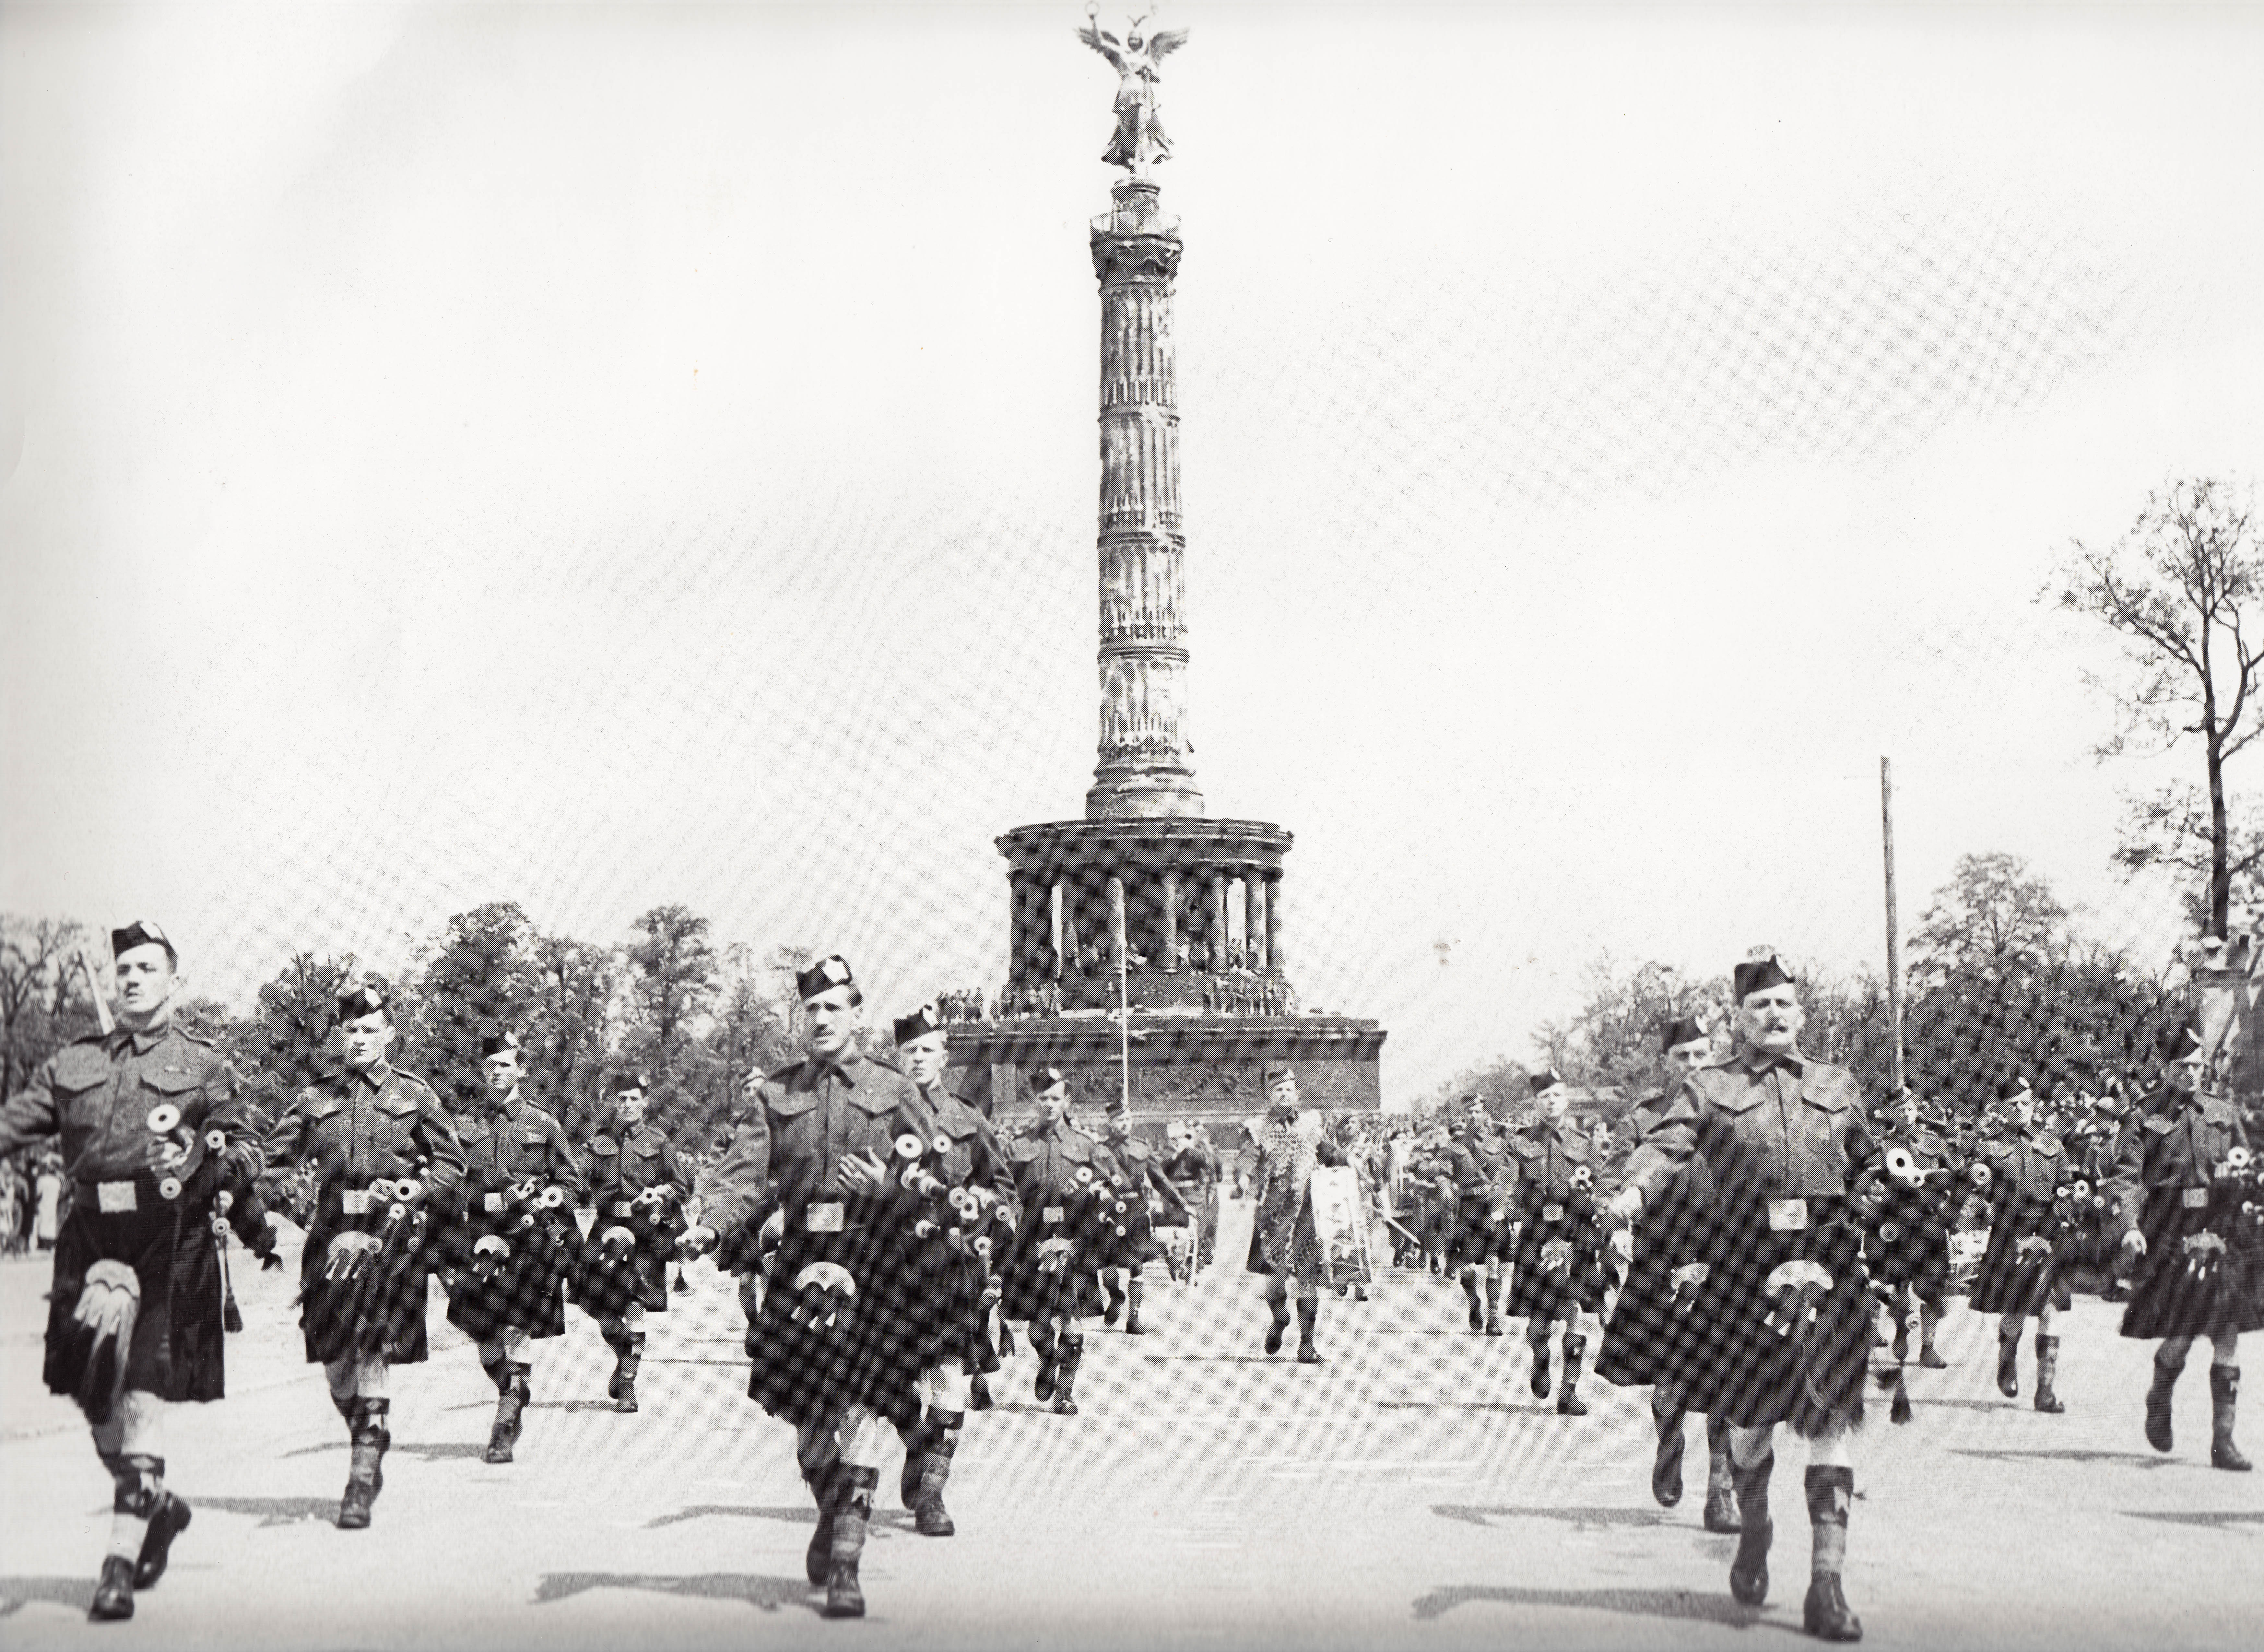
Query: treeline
[(1999, 981), (691, 1015)]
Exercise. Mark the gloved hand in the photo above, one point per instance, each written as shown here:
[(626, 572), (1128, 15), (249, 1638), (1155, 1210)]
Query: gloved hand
[(270, 1263)]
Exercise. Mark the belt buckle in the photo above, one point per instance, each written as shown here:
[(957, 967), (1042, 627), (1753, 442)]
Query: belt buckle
[(1053, 1213), (1552, 1213), (628, 1208), (1788, 1215), (825, 1218), (2196, 1199), (491, 1201), (354, 1201), (114, 1198)]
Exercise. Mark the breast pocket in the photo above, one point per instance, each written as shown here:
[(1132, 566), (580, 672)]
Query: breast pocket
[(795, 1130), (527, 1155), (393, 1128), (330, 1127)]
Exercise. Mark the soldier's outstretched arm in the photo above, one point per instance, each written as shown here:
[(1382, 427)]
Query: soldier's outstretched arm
[(2126, 1178), (225, 1111), (1669, 1143), (285, 1142)]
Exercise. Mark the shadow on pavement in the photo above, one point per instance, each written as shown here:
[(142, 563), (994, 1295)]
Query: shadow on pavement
[(689, 1359), (1972, 1405), (1467, 1405), (792, 1513), (2069, 1454), (2215, 1517), (1589, 1519), (769, 1593), (446, 1450), (273, 1510), (1679, 1604), (1219, 1360), (19, 1592)]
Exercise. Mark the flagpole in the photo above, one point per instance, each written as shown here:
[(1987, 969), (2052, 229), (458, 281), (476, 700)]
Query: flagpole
[(1894, 945)]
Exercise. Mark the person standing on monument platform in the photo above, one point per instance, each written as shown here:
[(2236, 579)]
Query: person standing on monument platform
[(831, 1351), (1657, 1317), (1551, 1175), (632, 1171), (1132, 1167), (135, 1314), (386, 1152), (1054, 1175), (1786, 1334), (945, 1276), (517, 1239), (2029, 1174), (1284, 1243), (1478, 1160), (2181, 1175)]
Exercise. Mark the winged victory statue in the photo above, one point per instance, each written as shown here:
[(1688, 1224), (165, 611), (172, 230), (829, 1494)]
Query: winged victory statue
[(1139, 139)]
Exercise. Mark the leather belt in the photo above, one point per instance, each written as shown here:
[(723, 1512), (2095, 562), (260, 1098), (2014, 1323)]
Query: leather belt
[(1769, 1215)]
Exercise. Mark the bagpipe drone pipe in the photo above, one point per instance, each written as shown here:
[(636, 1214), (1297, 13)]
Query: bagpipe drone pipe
[(533, 1248), (1916, 1207), (968, 1223)]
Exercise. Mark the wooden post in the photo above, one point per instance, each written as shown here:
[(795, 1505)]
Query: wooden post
[(1894, 939)]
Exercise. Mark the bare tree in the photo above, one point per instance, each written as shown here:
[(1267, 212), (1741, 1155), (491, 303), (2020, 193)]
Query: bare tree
[(38, 985), (2180, 589)]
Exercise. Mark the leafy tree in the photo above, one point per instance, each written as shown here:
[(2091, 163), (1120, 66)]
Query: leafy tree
[(2181, 590), (671, 980), (43, 999), (1991, 957), (572, 1018), (481, 976), (1613, 1041)]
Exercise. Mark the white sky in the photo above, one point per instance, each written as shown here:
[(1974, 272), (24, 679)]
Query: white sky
[(602, 455)]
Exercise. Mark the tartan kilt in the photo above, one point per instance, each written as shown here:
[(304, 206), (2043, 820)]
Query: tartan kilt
[(1532, 1293), (1473, 1237), (1653, 1326), (328, 1342), (940, 1294), (530, 1296), (176, 1349), (2004, 1284), (1741, 1369), (1019, 1297), (864, 1359), (2168, 1297)]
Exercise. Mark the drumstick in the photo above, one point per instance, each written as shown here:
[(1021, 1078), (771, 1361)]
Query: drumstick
[(94, 991)]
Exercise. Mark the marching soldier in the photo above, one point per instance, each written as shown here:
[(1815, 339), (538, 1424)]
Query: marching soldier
[(384, 1153), (2029, 1178), (1284, 1244), (633, 1171), (1478, 1161), (518, 1237), (1191, 1167), (830, 1351), (1054, 1177), (2174, 1194), (1647, 1342), (151, 1118), (1786, 1335), (1132, 1167), (1929, 1279), (949, 1274), (1551, 1174)]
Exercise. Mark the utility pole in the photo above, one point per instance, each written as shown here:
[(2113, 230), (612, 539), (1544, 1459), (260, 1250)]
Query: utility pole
[(1894, 939)]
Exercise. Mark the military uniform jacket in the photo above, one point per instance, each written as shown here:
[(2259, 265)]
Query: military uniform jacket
[(360, 1126), (96, 1094), (1925, 1146), (805, 1118), (619, 1164), (1192, 1168), (1685, 1208), (1143, 1173), (1541, 1159), (2168, 1142), (1479, 1163), (974, 1158), (509, 1144), (1769, 1127), (2027, 1166), (1044, 1160)]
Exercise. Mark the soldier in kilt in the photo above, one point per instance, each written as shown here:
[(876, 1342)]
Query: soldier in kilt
[(949, 1269), (1132, 1170), (2027, 1191), (2180, 1177), (832, 1350), (632, 1173), (386, 1152), (1551, 1173), (515, 1239), (1057, 1180), (1786, 1334), (1191, 1167), (1648, 1343), (135, 1314), (1478, 1162)]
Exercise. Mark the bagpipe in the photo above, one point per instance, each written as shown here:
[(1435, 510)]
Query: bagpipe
[(652, 1220), (534, 1257), (1915, 1205), (1091, 1192), (1793, 1358), (167, 1128), (357, 1288), (966, 1221)]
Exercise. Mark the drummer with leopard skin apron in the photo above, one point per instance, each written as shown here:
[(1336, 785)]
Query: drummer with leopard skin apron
[(1786, 1334)]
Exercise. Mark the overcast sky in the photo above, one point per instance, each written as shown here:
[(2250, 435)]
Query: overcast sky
[(596, 456)]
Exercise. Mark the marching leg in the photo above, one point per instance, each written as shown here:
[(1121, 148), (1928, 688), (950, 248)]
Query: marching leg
[(1041, 1341), (1468, 1275), (1720, 1489), (2047, 1373), (365, 1476), (1825, 1612), (1568, 1394), (914, 1438), (1072, 1351), (845, 1594), (1749, 1571), (2169, 1360), (1928, 1356), (1666, 1467), (1309, 1309), (940, 1445), (1132, 1325), (1493, 1299), (1112, 1281), (2008, 1357), (1537, 1334), (1277, 1298), (2224, 1402)]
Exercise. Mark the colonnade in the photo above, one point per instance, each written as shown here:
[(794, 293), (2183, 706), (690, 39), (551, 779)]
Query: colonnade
[(1040, 947)]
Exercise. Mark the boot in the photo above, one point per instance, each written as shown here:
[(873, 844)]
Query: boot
[(1666, 1467), (365, 1478), (1539, 1337), (113, 1595), (1928, 1355), (1109, 1282), (825, 1490), (1072, 1350), (1308, 1310), (1359, 1293), (1493, 1303), (978, 1394), (1435, 1262), (2047, 1369), (942, 1442), (1132, 1325), (1568, 1395), (1825, 1613), (2008, 1364), (510, 1403), (1048, 1357), (845, 1596), (2225, 1400), (1721, 1491), (1749, 1571), (914, 1438), (170, 1520), (616, 1340), (1280, 1308), (2158, 1402), (624, 1375), (1470, 1290)]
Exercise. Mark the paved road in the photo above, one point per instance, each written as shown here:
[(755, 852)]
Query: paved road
[(1408, 1492)]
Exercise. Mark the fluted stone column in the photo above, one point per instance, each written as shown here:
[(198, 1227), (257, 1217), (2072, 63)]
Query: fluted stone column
[(1274, 958), (1071, 941), (1115, 922), (1254, 921), (1217, 919), (1018, 931), (1167, 926), (1144, 771), (1038, 918)]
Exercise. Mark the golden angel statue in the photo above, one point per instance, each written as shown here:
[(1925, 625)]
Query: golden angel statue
[(1139, 132)]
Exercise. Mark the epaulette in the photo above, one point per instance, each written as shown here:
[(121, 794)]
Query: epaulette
[(402, 1072), (787, 1071), (96, 1037)]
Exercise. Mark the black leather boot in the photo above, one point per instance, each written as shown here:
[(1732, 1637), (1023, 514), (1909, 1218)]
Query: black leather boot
[(113, 1595), (625, 1376), (914, 1435), (1048, 1362), (1110, 1283), (1132, 1325), (1493, 1304), (1568, 1393), (618, 1340), (1280, 1308), (1072, 1351), (1666, 1467), (366, 1477), (511, 1405), (1825, 1612), (1470, 1290), (1308, 1310), (1538, 1336), (2158, 1402), (2225, 1401), (1721, 1490), (1749, 1571), (931, 1518), (825, 1490), (168, 1520), (2047, 1373), (2008, 1364), (1928, 1356), (845, 1594)]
